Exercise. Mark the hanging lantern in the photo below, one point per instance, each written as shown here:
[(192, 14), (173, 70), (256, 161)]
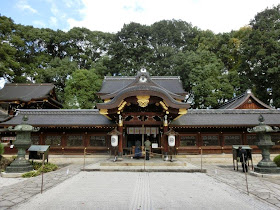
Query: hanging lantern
[(114, 140), (171, 140), (114, 137), (171, 137)]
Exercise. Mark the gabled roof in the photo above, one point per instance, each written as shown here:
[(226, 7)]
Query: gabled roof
[(243, 99), (142, 84), (28, 92), (170, 83), (60, 118), (227, 118)]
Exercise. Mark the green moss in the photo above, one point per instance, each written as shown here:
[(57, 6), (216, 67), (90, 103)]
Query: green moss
[(48, 167), (30, 174), (277, 160)]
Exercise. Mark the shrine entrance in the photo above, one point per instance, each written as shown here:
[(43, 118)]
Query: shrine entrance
[(136, 136), (142, 109)]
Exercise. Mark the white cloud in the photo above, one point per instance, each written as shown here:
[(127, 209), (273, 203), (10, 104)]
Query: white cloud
[(53, 21), (216, 15), (72, 3), (23, 5), (39, 24)]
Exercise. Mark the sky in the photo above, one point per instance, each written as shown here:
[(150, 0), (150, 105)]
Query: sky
[(110, 15)]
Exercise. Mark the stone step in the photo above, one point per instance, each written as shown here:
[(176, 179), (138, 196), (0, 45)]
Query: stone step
[(124, 164), (147, 169)]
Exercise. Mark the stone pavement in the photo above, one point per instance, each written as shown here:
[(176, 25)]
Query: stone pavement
[(22, 191), (266, 190), (142, 190)]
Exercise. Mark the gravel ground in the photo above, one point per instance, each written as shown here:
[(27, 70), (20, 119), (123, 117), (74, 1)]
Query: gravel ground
[(9, 181), (134, 190)]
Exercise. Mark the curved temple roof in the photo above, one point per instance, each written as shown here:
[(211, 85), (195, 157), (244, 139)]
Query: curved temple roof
[(142, 85)]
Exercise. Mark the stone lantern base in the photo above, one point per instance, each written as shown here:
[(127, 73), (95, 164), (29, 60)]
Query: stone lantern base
[(19, 166), (267, 167), (267, 170)]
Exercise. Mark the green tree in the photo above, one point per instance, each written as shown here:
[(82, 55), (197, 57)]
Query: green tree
[(261, 55), (130, 50), (85, 46), (204, 79), (81, 88), (57, 72), (168, 38)]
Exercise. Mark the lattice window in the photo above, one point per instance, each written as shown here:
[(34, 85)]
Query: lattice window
[(187, 141), (210, 140), (53, 140), (251, 139), (232, 139), (75, 141), (35, 140), (97, 141)]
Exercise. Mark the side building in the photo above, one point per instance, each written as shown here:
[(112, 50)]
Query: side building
[(144, 107)]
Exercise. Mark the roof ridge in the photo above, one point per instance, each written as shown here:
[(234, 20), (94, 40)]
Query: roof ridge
[(232, 111), (233, 99), (132, 77), (29, 84)]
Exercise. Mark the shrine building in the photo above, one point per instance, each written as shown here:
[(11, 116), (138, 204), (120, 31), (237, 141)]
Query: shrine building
[(138, 108)]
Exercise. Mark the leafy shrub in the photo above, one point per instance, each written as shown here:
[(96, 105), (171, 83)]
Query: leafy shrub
[(277, 160), (48, 167), (1, 150)]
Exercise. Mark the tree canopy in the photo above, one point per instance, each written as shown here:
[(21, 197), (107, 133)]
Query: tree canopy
[(212, 67)]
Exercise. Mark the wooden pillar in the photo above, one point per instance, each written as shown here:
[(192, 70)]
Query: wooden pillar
[(200, 143), (243, 139), (120, 129), (120, 149), (165, 142), (41, 140), (63, 142)]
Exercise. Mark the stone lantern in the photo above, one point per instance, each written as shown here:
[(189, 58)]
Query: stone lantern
[(23, 141), (265, 166)]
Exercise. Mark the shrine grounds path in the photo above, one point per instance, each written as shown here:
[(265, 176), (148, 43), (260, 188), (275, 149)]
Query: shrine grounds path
[(70, 188)]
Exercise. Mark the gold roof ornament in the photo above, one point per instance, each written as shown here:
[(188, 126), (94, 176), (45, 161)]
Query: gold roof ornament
[(143, 101)]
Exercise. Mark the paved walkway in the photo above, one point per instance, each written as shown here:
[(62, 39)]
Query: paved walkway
[(22, 191), (143, 190), (266, 189)]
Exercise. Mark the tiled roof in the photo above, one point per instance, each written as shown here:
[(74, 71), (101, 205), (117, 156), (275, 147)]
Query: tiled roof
[(240, 99), (172, 84), (227, 118), (194, 118), (60, 117), (25, 92)]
